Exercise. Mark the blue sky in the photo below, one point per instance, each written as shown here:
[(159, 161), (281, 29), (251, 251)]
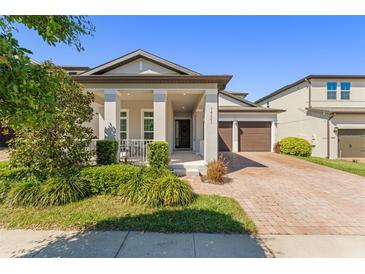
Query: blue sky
[(263, 53)]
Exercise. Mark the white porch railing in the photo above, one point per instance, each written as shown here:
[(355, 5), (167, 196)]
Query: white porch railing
[(134, 150), (131, 150)]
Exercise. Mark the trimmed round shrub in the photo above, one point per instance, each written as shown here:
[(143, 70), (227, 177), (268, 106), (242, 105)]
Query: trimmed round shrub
[(107, 179), (106, 152), (158, 154), (25, 193), (295, 146), (61, 190), (216, 170)]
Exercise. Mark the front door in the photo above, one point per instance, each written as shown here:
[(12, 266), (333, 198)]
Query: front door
[(182, 134)]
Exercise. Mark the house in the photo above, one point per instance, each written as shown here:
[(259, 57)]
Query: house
[(326, 110), (141, 97)]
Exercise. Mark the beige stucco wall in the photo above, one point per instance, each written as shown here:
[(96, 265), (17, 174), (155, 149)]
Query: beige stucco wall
[(295, 121), (319, 94), (135, 116), (225, 100)]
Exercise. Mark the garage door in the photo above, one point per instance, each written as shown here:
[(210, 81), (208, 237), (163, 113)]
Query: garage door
[(225, 136), (351, 142), (254, 136)]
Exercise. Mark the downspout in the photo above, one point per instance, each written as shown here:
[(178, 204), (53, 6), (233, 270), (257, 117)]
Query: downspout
[(328, 134), (309, 93)]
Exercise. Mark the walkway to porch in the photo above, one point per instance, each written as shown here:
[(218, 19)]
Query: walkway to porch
[(187, 163)]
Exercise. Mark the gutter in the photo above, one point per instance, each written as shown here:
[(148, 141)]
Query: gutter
[(309, 92), (330, 117)]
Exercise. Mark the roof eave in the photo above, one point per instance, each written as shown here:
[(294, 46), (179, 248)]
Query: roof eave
[(220, 80)]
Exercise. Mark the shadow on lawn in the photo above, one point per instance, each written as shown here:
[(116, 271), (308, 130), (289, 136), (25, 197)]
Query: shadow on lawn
[(105, 238)]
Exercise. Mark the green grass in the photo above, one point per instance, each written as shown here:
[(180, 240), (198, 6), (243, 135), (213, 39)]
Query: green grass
[(355, 168), (205, 214)]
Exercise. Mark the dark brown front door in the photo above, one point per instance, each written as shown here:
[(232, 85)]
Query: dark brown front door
[(254, 136), (182, 134), (225, 136)]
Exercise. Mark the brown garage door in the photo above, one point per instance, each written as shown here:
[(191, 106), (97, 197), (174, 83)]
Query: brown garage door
[(254, 136), (225, 136), (351, 143)]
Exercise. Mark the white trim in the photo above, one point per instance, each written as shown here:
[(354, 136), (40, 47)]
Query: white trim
[(350, 126), (127, 118), (273, 135), (248, 119), (235, 136), (143, 110)]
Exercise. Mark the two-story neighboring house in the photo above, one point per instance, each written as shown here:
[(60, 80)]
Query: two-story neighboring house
[(326, 110)]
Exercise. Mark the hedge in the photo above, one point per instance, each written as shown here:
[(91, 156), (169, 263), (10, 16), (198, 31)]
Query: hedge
[(106, 152), (158, 154), (107, 179), (295, 146)]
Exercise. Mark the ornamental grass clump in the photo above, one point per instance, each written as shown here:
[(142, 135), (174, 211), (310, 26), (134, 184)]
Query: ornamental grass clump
[(169, 191), (25, 193), (62, 190), (216, 171), (156, 188)]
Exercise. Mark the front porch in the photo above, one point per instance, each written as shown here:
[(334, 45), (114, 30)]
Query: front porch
[(136, 117), (187, 163)]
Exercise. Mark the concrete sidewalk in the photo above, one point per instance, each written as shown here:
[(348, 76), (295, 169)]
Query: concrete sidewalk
[(126, 244), (315, 246)]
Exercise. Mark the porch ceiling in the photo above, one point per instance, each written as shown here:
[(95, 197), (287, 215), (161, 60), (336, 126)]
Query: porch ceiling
[(184, 103)]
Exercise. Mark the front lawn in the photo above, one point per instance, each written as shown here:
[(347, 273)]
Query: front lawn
[(356, 168), (204, 214)]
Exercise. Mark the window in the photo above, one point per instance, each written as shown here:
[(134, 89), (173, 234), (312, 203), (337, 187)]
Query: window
[(124, 125), (148, 125), (331, 90), (345, 90)]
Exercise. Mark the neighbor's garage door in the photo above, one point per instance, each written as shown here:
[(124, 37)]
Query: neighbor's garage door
[(351, 142), (254, 136), (225, 136)]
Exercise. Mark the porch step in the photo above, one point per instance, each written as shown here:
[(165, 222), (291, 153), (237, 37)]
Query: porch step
[(186, 172)]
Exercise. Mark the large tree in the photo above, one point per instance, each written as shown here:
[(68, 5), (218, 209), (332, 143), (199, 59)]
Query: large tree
[(26, 97), (64, 144)]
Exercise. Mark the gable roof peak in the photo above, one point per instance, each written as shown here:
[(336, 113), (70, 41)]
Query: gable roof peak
[(134, 55)]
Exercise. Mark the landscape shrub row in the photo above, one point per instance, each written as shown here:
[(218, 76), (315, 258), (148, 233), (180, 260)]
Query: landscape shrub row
[(149, 186)]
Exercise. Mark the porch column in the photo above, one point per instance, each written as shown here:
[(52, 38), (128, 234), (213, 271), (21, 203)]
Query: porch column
[(111, 115), (235, 136), (211, 125), (101, 133), (273, 135), (159, 115), (199, 132)]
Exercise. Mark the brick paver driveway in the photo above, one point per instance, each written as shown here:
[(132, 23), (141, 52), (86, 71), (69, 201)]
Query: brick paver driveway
[(285, 195)]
